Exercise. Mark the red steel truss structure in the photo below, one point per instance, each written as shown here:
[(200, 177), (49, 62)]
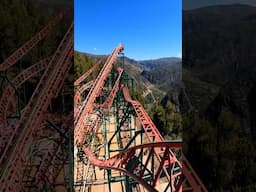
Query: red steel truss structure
[(146, 164), (30, 159), (32, 155), (92, 95)]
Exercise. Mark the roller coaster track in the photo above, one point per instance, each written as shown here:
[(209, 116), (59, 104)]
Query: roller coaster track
[(174, 179), (135, 162), (77, 97), (88, 104), (87, 73), (53, 160), (9, 91), (78, 93), (30, 44), (8, 94), (49, 156), (150, 129), (121, 161), (167, 163), (154, 136), (84, 87), (16, 56), (109, 101), (14, 155)]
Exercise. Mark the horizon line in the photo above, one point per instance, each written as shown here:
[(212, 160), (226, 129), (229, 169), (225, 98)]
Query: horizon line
[(130, 57)]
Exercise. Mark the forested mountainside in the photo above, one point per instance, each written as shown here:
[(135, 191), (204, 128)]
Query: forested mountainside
[(219, 74)]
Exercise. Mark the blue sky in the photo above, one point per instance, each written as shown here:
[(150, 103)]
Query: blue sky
[(148, 29)]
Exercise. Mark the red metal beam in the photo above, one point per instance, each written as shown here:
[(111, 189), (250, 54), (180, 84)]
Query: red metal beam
[(119, 161), (153, 134), (109, 101), (87, 73), (192, 177), (166, 158), (80, 91), (30, 44), (88, 104), (13, 158), (9, 91)]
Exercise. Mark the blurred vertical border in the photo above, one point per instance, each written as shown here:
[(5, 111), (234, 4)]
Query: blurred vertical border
[(219, 78), (36, 95)]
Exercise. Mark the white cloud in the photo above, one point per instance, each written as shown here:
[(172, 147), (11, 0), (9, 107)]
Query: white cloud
[(94, 49)]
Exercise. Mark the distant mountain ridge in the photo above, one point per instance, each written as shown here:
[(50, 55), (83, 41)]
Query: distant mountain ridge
[(154, 63), (154, 76)]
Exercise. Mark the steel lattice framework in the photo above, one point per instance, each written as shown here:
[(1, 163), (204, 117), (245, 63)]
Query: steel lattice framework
[(143, 158), (33, 149), (36, 146)]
